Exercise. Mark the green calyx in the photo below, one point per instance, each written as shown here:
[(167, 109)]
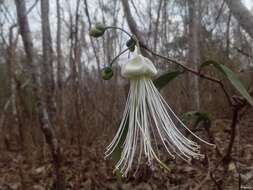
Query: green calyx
[(97, 30), (107, 73)]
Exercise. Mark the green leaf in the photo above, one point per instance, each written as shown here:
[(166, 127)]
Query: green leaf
[(236, 83), (197, 116), (164, 79), (231, 76)]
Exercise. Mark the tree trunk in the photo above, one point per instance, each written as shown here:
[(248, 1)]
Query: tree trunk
[(47, 63), (157, 24), (15, 87), (130, 20), (60, 66), (86, 9), (132, 25), (193, 54), (242, 14), (45, 124)]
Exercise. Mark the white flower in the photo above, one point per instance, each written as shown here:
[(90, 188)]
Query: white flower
[(149, 118)]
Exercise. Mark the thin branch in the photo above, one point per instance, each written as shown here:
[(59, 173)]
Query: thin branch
[(239, 174), (8, 14), (227, 157), (205, 178), (7, 104), (218, 16), (243, 52), (32, 7), (215, 182)]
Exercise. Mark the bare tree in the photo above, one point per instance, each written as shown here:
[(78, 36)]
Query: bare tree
[(47, 63), (193, 53), (45, 124), (87, 13), (60, 65), (157, 24), (130, 19), (133, 25), (242, 14)]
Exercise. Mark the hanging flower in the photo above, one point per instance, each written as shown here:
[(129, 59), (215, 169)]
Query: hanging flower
[(148, 118)]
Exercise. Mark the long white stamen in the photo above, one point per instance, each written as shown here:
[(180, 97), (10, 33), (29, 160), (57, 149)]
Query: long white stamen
[(147, 113), (182, 124)]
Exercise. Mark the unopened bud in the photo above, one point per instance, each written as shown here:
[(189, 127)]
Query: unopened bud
[(107, 73), (97, 30)]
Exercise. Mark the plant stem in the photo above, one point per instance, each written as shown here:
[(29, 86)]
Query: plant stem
[(121, 53), (118, 28)]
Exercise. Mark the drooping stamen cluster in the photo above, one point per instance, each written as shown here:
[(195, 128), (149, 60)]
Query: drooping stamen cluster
[(147, 116)]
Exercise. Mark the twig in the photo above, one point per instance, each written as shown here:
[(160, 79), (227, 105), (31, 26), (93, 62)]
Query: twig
[(218, 16), (206, 178), (215, 182), (2, 118), (227, 157), (31, 8), (7, 104), (239, 174), (243, 53)]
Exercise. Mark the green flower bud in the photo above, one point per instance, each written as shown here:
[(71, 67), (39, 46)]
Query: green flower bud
[(107, 73), (131, 44), (97, 30), (100, 26)]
